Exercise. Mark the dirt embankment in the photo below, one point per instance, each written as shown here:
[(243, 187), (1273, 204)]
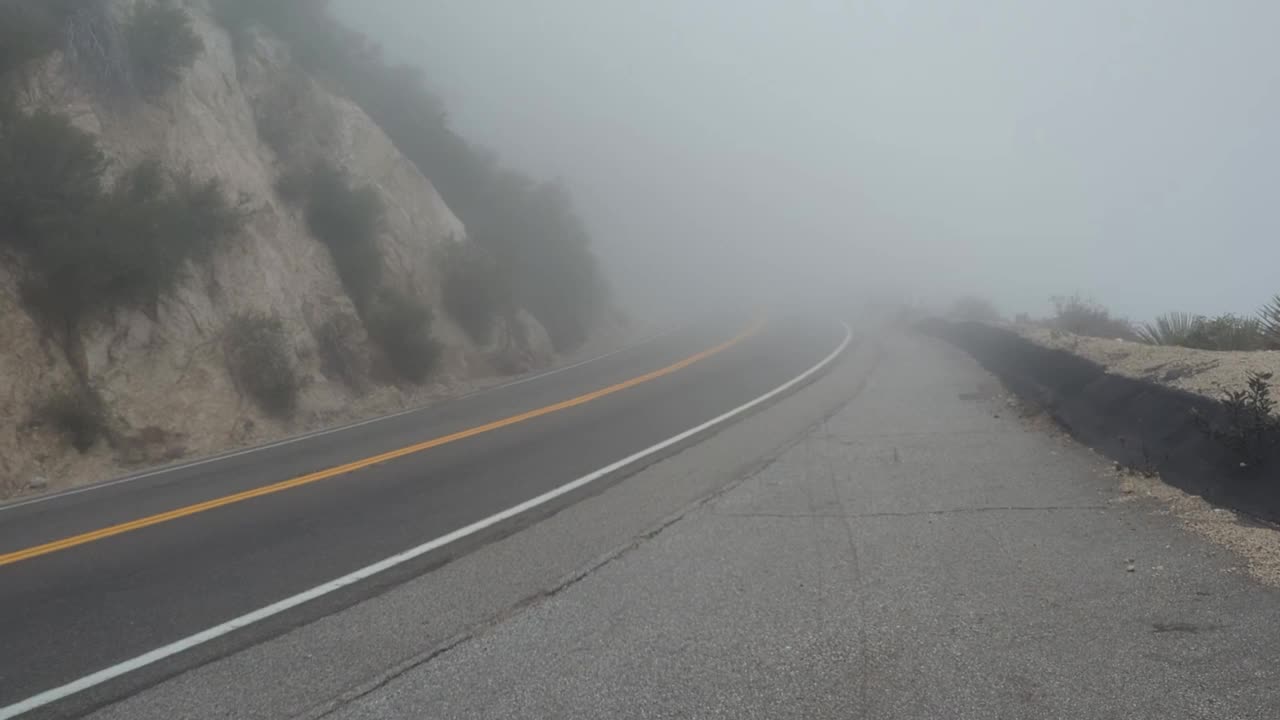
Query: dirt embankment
[(1204, 372), (1145, 407)]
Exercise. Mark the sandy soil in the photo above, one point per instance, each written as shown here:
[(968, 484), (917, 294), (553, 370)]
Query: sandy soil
[(1258, 545), (1205, 372)]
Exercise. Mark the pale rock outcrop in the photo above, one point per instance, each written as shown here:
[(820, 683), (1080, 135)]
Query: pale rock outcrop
[(164, 378)]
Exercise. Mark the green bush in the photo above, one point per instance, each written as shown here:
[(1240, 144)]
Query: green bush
[(259, 360), (1269, 322), (338, 344), (77, 413), (1250, 429), (133, 246), (87, 249), (161, 45), (1076, 315), (976, 309), (401, 326), (1225, 332), (50, 178), (347, 220), (538, 243), (472, 290), (1171, 329)]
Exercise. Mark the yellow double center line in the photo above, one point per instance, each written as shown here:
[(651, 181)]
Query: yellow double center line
[(148, 521)]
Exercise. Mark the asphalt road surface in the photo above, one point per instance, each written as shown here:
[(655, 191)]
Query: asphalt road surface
[(890, 540), (924, 553), (93, 581)]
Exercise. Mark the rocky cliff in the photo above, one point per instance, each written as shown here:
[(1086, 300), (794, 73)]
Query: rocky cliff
[(243, 113)]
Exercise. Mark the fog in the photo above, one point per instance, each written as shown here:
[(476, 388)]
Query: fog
[(1014, 149)]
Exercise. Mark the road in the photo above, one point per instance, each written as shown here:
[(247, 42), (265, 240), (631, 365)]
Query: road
[(923, 553), (93, 581), (890, 540)]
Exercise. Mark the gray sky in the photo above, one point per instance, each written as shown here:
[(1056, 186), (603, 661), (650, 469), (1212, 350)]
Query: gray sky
[(1017, 148)]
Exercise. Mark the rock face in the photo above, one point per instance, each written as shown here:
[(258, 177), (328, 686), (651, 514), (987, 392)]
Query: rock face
[(162, 375)]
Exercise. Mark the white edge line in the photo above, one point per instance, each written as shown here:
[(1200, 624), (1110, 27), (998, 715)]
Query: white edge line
[(322, 432), (154, 656)]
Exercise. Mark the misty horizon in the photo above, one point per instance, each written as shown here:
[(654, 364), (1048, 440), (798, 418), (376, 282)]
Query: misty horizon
[(1011, 151)]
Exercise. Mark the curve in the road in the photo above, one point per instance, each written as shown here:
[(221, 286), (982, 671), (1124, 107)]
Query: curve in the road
[(281, 486), (476, 528)]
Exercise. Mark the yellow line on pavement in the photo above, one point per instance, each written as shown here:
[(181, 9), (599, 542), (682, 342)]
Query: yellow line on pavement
[(148, 521)]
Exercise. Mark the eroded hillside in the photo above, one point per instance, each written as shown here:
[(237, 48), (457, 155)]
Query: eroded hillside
[(206, 242)]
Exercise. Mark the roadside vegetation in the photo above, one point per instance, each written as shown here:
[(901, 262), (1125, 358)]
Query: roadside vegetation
[(472, 289), (401, 326), (77, 413), (261, 362), (161, 45), (348, 219), (1251, 428), (1080, 316), (339, 342), (538, 248), (85, 247), (86, 240), (1225, 332)]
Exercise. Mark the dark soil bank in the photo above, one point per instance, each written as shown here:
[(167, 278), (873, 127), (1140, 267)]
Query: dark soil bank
[(1142, 425)]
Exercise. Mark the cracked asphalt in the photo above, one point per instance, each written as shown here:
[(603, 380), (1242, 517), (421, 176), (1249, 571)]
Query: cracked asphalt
[(924, 553)]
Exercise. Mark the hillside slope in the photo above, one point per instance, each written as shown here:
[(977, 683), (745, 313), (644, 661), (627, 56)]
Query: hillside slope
[(245, 114)]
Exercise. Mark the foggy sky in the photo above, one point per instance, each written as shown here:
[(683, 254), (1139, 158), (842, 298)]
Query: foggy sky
[(1019, 149)]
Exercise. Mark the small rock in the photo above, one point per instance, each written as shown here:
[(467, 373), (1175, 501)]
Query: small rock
[(38, 483), (1130, 568)]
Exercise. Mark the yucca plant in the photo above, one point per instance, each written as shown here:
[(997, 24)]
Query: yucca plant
[(1174, 328), (1269, 319)]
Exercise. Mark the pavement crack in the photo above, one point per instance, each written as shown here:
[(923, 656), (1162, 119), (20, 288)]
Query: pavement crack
[(915, 513), (708, 501), (386, 677)]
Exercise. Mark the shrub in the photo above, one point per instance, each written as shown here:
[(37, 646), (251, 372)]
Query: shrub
[(161, 45), (976, 309), (1172, 329), (130, 245), (471, 289), (1269, 322), (77, 413), (347, 220), (1225, 332), (50, 178), (1251, 428), (260, 362), (338, 344), (537, 241), (1083, 317), (401, 327), (86, 248)]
